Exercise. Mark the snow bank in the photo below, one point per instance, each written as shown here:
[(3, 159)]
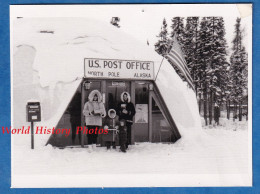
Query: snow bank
[(219, 154), (228, 124), (49, 62)]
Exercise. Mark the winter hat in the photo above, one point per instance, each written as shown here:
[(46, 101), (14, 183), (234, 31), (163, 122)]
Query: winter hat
[(112, 113), (122, 96), (93, 93)]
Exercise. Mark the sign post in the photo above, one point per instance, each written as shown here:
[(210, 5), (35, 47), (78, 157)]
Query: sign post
[(33, 110), (32, 136)]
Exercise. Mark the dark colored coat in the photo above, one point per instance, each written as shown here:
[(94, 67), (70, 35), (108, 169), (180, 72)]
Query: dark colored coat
[(129, 106), (130, 109), (109, 122)]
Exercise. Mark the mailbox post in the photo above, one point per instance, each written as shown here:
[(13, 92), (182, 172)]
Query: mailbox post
[(33, 110)]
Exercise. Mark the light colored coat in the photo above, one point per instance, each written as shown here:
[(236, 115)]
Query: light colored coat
[(97, 107)]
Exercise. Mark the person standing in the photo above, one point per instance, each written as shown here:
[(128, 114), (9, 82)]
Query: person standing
[(111, 124), (94, 111), (126, 111)]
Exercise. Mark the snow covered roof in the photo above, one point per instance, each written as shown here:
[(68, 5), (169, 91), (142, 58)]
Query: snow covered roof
[(53, 50), (62, 44)]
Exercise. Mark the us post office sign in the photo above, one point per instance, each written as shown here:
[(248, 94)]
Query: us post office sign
[(118, 69)]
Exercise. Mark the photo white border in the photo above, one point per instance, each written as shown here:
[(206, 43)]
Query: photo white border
[(136, 180)]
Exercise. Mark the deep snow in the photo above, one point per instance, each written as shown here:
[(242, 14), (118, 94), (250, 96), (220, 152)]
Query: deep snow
[(220, 150)]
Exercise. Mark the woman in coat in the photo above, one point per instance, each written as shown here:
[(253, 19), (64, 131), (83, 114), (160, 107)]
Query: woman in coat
[(126, 111), (94, 111)]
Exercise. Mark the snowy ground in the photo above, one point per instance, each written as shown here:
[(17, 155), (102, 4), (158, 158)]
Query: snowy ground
[(221, 149)]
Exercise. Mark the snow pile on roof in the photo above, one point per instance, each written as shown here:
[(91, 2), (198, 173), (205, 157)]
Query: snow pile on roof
[(49, 56), (62, 45)]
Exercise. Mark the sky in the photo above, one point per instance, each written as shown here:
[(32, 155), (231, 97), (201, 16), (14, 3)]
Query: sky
[(144, 21)]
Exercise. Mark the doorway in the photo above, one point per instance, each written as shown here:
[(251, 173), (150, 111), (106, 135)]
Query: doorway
[(141, 119), (114, 89), (151, 123)]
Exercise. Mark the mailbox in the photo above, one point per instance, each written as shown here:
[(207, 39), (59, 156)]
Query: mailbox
[(33, 111)]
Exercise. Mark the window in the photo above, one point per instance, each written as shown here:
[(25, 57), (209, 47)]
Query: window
[(161, 130)]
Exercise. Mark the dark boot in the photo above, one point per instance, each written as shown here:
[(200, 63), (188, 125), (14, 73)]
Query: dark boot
[(108, 145), (123, 148), (114, 145)]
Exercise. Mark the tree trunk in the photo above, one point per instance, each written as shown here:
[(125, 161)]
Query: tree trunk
[(210, 108), (247, 112), (240, 111), (228, 109), (235, 111), (199, 103), (205, 107)]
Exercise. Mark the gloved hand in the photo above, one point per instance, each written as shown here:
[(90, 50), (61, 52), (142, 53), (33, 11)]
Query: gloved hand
[(95, 114), (125, 111)]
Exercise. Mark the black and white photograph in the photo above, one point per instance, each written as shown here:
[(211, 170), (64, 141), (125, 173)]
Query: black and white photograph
[(131, 95)]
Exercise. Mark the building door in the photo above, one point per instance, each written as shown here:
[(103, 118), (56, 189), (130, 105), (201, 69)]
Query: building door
[(114, 89), (141, 119), (161, 129)]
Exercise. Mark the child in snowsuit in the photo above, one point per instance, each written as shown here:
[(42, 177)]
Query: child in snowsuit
[(122, 135), (111, 123)]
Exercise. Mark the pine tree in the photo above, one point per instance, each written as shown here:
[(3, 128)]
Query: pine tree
[(178, 29), (204, 60), (178, 32), (161, 46), (212, 63), (191, 37), (238, 70), (219, 64)]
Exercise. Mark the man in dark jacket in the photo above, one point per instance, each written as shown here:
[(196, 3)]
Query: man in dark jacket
[(126, 111)]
